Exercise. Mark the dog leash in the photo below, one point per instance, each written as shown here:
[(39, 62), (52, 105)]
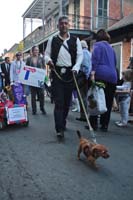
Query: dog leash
[(85, 112)]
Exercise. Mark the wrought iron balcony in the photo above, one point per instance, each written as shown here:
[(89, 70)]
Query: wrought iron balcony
[(77, 23)]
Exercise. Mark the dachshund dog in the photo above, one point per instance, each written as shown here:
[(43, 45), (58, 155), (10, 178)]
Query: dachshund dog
[(91, 150)]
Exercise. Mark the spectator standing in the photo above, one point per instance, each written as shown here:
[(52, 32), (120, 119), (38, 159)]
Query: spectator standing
[(5, 72), (123, 98), (104, 66), (36, 61), (75, 101), (0, 80), (15, 68), (86, 67), (63, 54)]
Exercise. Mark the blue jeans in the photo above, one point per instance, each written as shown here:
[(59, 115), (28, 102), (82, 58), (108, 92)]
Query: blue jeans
[(124, 109)]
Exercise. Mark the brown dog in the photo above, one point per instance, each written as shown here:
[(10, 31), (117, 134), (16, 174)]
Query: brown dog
[(91, 150)]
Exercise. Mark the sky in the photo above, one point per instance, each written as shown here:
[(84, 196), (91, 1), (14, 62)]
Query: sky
[(11, 22)]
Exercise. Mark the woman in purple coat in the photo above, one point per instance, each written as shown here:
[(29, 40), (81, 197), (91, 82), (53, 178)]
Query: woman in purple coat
[(104, 66)]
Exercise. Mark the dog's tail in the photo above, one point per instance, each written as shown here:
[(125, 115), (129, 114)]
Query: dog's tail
[(78, 133)]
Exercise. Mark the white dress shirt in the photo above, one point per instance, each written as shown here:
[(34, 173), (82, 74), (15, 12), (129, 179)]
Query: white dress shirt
[(64, 57), (15, 70), (7, 66)]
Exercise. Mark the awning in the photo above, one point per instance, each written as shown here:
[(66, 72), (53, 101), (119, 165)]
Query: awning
[(126, 21), (40, 8)]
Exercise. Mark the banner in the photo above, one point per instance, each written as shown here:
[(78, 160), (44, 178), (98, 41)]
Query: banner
[(32, 76)]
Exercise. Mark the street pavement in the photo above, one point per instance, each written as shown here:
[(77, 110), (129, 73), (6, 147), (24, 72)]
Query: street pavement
[(34, 165)]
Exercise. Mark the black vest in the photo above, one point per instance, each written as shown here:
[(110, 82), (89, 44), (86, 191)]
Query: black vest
[(56, 45)]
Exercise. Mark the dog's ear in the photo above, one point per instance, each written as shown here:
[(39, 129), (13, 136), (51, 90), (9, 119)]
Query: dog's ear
[(94, 151), (100, 150), (95, 147), (99, 147)]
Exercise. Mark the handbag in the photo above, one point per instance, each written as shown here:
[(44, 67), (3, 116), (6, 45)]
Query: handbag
[(96, 100)]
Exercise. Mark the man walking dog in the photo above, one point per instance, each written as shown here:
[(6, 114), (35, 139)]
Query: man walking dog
[(64, 56)]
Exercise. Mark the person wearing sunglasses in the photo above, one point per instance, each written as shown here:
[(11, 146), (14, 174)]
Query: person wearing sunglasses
[(15, 68)]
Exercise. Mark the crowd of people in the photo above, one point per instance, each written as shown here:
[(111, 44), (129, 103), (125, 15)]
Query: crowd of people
[(68, 57), (9, 75)]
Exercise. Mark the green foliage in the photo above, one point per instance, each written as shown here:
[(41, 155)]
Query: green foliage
[(98, 84)]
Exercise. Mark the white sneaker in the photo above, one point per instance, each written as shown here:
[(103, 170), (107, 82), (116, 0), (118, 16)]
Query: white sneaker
[(75, 110), (117, 122), (122, 124)]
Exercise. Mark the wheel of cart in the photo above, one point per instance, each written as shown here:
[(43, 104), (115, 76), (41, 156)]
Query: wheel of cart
[(25, 124), (2, 125)]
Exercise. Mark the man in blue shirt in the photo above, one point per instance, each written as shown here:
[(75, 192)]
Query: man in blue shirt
[(86, 69)]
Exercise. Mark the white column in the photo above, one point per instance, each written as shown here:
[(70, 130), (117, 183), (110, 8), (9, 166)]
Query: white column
[(43, 18), (60, 8)]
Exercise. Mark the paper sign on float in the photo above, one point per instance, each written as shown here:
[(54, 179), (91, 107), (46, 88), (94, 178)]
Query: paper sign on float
[(32, 76)]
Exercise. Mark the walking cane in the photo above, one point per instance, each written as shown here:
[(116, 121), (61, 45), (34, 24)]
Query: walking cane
[(85, 112)]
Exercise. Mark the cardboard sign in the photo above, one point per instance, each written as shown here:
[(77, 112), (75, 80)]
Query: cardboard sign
[(16, 114), (32, 76)]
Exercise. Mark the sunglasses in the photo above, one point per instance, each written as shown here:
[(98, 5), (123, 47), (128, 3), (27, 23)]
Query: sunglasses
[(18, 55)]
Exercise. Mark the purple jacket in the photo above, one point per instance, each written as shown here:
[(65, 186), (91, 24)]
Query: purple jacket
[(104, 62)]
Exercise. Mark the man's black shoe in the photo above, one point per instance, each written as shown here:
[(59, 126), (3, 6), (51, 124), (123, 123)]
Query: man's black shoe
[(43, 111), (104, 129), (65, 129), (87, 127), (94, 128), (33, 112), (81, 119)]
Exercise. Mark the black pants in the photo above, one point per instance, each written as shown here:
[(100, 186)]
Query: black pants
[(34, 92), (83, 92), (62, 93), (105, 118)]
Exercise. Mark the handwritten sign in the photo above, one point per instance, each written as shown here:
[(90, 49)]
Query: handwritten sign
[(16, 114), (32, 76)]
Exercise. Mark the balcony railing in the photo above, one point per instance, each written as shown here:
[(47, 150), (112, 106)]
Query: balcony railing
[(76, 23)]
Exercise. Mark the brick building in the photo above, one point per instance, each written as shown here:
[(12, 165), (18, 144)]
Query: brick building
[(86, 17), (122, 40)]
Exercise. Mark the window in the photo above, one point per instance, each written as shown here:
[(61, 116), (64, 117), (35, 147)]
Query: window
[(102, 13), (76, 13)]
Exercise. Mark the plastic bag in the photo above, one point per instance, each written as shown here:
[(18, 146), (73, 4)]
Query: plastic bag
[(96, 101)]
